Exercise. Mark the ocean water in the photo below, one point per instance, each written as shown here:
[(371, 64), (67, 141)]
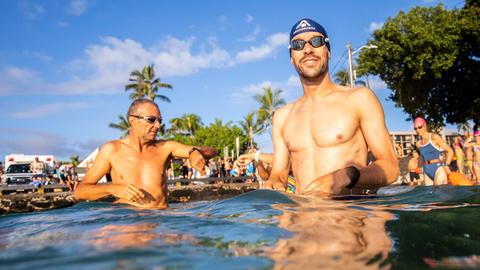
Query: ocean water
[(401, 228)]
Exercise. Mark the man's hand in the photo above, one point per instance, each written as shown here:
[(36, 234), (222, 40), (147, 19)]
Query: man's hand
[(197, 160), (273, 184), (333, 183), (127, 191), (244, 160)]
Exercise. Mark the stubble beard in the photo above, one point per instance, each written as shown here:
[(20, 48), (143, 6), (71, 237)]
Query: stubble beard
[(311, 73)]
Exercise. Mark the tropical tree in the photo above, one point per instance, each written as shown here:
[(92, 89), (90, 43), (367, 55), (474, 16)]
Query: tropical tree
[(269, 101), (220, 137), (123, 125), (429, 58), (192, 122), (145, 85), (74, 160), (342, 77), (218, 123), (176, 125), (250, 126)]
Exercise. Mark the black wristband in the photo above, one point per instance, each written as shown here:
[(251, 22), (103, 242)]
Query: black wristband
[(194, 149), (354, 175)]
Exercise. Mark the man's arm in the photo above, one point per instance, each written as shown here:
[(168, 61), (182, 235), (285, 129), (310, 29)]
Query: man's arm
[(384, 170), (195, 154), (88, 188), (281, 156)]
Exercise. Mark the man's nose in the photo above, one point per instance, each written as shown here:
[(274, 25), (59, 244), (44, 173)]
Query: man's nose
[(307, 49)]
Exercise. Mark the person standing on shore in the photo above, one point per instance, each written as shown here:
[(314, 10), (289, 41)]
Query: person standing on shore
[(430, 146), (414, 169), (475, 145), (137, 163)]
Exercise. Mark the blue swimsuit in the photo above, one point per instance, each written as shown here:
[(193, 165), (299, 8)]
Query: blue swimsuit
[(429, 152)]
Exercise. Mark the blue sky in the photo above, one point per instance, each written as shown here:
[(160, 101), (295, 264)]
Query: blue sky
[(64, 64)]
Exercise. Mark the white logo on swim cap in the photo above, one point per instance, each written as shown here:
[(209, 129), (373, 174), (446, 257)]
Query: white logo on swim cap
[(303, 24)]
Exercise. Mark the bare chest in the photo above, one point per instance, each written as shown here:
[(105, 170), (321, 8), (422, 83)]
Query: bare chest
[(324, 125), (145, 167)]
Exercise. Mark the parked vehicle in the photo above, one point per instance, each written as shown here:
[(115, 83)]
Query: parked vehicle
[(17, 174), (48, 160)]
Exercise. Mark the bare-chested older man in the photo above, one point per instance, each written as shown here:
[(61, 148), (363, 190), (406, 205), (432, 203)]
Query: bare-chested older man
[(137, 163), (326, 134)]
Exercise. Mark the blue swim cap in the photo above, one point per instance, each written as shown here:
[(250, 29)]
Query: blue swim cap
[(309, 25)]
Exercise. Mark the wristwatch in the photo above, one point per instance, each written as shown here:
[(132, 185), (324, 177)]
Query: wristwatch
[(194, 149)]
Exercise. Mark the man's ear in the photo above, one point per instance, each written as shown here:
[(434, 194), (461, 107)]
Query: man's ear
[(329, 55)]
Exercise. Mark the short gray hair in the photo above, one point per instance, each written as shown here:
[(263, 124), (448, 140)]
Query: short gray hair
[(137, 103)]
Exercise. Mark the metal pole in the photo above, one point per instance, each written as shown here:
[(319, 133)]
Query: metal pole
[(237, 144), (350, 65)]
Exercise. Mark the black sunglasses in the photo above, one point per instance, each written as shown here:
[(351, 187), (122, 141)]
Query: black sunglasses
[(418, 127), (149, 119), (316, 42)]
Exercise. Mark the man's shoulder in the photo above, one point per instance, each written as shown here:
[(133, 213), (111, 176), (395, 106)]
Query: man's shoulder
[(361, 92), (111, 146), (285, 109)]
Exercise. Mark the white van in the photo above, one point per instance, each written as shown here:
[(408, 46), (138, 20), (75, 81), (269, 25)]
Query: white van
[(48, 160)]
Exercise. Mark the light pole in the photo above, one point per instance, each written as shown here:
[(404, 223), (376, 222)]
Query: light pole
[(350, 60)]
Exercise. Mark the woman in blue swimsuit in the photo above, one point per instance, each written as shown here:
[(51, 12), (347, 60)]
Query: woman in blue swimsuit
[(430, 147)]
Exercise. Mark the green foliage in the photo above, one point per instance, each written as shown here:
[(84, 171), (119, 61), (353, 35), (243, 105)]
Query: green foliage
[(215, 135), (341, 77), (187, 124), (123, 125), (429, 58), (74, 160), (251, 126), (145, 85), (269, 101)]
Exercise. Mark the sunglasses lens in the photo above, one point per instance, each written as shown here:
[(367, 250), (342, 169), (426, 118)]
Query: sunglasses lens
[(298, 44), (151, 120), (317, 42)]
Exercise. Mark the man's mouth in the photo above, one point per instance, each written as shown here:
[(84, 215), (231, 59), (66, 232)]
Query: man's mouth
[(310, 61)]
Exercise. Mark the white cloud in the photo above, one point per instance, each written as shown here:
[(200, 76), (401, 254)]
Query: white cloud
[(376, 83), (252, 89), (374, 26), (104, 67), (31, 10), (252, 37), (222, 23), (249, 18), (77, 7), (37, 55), (256, 53), (49, 109), (26, 141), (294, 81)]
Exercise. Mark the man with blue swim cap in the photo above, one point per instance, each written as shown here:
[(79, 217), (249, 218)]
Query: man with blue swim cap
[(309, 25), (326, 134)]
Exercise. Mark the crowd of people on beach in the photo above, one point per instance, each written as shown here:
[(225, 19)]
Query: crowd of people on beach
[(465, 159)]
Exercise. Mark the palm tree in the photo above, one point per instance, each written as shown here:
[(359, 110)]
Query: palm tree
[(250, 126), (269, 102), (219, 124), (123, 125), (462, 127), (145, 85), (192, 123), (177, 125), (342, 77), (74, 160)]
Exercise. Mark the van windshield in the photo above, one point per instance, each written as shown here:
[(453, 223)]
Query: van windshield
[(18, 168)]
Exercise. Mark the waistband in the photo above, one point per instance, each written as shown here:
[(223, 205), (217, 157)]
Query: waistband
[(432, 161)]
